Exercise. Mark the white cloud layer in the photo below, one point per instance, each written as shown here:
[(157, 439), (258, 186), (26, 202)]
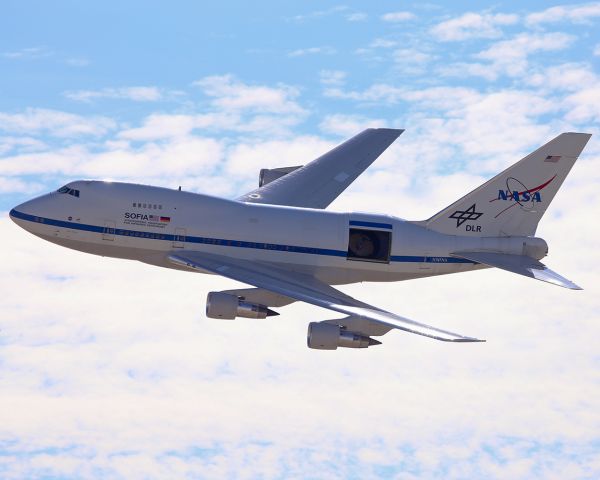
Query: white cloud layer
[(510, 57), (323, 50), (142, 385), (473, 25), (229, 94), (29, 53), (398, 16), (582, 13), (136, 94), (54, 123)]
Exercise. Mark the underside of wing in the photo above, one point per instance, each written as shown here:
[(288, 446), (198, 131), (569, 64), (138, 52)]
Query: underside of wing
[(364, 318), (521, 265), (261, 296), (320, 182)]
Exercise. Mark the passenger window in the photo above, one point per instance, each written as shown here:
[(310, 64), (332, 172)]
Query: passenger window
[(369, 245)]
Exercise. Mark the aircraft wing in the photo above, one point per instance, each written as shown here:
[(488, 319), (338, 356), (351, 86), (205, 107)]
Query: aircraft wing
[(367, 319), (320, 182)]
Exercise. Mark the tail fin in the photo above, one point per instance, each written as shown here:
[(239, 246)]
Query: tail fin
[(513, 202)]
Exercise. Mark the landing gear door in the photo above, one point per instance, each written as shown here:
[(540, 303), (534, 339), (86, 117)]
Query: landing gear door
[(369, 245), (179, 238)]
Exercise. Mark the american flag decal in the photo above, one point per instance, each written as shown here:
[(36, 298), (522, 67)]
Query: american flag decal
[(552, 158), (153, 218)]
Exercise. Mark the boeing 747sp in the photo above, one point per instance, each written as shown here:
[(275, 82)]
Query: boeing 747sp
[(281, 240)]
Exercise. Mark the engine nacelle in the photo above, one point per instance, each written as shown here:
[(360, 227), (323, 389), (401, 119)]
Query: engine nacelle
[(226, 307), (329, 336)]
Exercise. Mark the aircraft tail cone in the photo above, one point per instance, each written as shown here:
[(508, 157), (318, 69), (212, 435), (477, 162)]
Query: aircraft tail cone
[(271, 313)]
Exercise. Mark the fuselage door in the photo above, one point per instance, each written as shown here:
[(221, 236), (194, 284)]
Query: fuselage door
[(108, 232), (179, 238), (369, 245)]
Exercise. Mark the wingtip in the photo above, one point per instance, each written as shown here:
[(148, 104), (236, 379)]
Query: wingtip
[(394, 131)]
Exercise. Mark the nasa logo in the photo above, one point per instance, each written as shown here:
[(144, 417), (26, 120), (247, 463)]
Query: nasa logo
[(524, 196), (517, 191), (518, 194)]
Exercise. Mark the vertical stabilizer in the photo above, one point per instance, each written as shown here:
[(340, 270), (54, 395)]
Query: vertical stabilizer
[(513, 202)]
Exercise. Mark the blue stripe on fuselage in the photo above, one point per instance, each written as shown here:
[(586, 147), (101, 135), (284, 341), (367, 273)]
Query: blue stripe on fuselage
[(359, 223), (221, 241)]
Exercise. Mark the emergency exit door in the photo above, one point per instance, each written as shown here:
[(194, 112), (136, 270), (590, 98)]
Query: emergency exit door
[(108, 232)]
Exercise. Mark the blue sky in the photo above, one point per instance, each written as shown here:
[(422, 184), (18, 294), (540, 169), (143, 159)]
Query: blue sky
[(109, 368)]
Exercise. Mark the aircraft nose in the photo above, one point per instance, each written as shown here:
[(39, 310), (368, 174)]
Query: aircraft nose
[(29, 211)]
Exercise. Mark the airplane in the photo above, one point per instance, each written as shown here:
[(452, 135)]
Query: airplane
[(281, 240)]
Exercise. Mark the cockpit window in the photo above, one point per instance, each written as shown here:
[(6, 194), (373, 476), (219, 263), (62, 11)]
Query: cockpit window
[(70, 191)]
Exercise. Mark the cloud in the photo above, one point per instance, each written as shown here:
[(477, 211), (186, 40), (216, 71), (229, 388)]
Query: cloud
[(565, 76), (375, 93), (348, 125), (383, 43), (229, 94), (509, 57), (248, 158), (77, 62), (357, 17), (410, 61), (393, 17), (22, 143), (325, 50), (332, 77), (320, 13), (161, 126), (473, 25), (55, 123), (583, 106), (76, 376), (136, 94), (29, 53), (582, 13), (597, 50)]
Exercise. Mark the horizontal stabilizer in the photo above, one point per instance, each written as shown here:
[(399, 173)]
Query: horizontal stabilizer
[(520, 264)]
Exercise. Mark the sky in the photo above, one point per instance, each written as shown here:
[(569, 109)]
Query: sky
[(109, 368)]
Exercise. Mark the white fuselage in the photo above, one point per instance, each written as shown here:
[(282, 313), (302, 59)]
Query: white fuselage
[(146, 223)]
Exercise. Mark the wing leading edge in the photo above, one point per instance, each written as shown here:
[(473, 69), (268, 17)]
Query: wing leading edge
[(320, 182), (308, 289)]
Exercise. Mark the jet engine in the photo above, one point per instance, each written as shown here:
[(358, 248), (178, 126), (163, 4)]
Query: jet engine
[(226, 307), (329, 336)]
